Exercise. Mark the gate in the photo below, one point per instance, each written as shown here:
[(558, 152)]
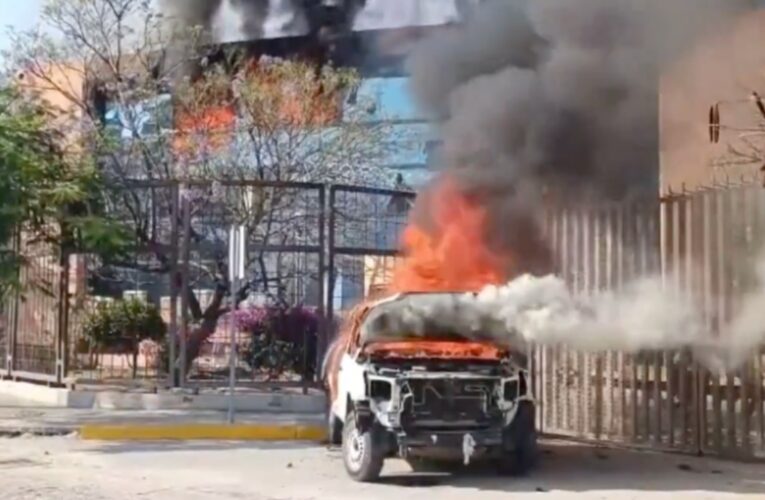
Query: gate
[(364, 229)]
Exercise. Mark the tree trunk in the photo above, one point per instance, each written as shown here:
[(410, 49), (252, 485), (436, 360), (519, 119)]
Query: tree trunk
[(198, 337)]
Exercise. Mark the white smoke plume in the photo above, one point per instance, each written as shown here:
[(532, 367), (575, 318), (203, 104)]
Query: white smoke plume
[(643, 316)]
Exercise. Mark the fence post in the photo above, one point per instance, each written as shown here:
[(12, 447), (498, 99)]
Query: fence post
[(12, 319), (62, 343), (185, 258), (237, 251), (172, 371), (331, 257), (321, 342)]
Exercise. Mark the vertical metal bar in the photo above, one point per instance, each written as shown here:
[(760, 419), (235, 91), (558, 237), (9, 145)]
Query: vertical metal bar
[(730, 223), (759, 374), (233, 264), (704, 375), (553, 357), (620, 258), (585, 376), (670, 367), (759, 404), (630, 264), (687, 394), (609, 285), (719, 311), (173, 330), (678, 225), (641, 231), (62, 316), (596, 288), (649, 266), (746, 370), (633, 259), (663, 366), (661, 359), (185, 285), (13, 337), (566, 266), (323, 341), (331, 258)]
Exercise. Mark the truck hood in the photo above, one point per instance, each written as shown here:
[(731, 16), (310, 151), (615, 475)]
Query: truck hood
[(430, 323)]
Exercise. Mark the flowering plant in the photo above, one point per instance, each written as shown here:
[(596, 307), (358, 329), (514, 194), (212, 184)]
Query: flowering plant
[(283, 338)]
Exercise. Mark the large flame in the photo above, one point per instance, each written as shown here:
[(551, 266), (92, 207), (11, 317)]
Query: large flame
[(451, 255)]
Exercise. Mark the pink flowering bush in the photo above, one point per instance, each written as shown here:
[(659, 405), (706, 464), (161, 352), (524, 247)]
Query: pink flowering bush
[(283, 338)]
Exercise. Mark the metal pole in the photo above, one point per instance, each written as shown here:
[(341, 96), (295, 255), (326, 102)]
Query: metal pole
[(174, 289), (185, 282), (323, 326), (237, 249)]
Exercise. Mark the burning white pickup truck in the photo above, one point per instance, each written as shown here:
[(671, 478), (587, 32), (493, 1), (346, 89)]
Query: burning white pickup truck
[(432, 391)]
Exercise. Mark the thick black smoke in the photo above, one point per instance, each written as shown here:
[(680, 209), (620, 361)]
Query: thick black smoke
[(555, 95)]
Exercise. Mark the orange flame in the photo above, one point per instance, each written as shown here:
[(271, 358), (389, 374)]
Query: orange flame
[(451, 256), (212, 126)]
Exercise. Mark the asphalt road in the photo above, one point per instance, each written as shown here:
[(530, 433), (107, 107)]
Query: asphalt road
[(66, 468)]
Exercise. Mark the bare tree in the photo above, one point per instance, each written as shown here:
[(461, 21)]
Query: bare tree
[(155, 107), (740, 126)]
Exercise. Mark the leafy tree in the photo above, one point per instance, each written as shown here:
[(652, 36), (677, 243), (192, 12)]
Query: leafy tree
[(45, 195)]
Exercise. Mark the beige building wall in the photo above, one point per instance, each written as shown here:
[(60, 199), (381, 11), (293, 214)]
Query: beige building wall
[(726, 68)]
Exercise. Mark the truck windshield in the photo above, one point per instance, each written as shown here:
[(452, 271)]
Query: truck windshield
[(431, 316)]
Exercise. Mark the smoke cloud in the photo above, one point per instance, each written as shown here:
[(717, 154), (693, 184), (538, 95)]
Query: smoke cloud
[(554, 96)]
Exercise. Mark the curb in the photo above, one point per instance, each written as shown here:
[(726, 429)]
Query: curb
[(36, 432), (192, 432)]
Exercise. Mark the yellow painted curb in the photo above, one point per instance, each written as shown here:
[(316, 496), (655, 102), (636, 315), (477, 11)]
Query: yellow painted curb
[(188, 432)]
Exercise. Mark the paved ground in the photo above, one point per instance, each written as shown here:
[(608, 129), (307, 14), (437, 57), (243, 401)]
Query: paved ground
[(67, 469)]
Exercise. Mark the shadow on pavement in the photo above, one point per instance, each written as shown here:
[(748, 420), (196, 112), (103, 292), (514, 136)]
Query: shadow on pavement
[(584, 468)]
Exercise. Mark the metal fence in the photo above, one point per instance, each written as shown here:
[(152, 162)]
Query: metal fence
[(327, 248), (706, 244), (311, 246)]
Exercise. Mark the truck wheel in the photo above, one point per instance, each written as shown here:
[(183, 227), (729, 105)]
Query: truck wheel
[(361, 454), (334, 430), (522, 458)]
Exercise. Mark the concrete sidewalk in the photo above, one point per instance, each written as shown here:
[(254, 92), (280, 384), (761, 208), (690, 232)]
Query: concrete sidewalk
[(18, 417)]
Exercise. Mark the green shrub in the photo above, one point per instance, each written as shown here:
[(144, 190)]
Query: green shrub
[(122, 325)]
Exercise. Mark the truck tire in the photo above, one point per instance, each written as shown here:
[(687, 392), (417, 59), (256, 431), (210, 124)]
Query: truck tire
[(524, 455), (334, 430), (362, 455), (523, 459)]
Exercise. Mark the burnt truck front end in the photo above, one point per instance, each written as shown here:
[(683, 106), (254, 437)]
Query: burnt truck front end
[(435, 403), (454, 411)]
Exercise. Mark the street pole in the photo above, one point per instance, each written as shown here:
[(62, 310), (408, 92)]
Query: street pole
[(236, 251)]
